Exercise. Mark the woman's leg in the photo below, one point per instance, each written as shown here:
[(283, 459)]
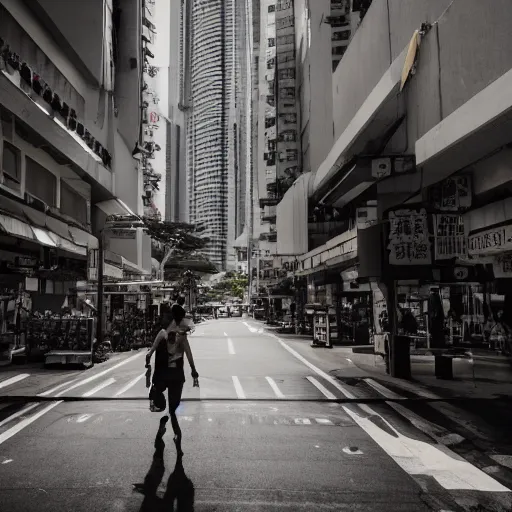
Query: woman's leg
[(174, 393)]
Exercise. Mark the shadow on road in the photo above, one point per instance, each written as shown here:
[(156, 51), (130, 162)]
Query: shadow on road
[(179, 494)]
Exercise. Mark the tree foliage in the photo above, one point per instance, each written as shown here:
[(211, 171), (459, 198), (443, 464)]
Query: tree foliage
[(232, 285)]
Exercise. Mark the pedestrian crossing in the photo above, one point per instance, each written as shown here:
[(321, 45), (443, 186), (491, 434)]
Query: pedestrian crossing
[(132, 384)]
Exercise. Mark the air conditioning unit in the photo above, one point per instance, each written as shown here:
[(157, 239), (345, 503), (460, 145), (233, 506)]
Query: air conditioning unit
[(381, 167)]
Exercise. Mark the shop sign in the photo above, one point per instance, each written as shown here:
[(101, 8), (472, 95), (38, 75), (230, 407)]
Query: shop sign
[(491, 241), (452, 194), (92, 264), (450, 239), (502, 266), (124, 234), (409, 242)]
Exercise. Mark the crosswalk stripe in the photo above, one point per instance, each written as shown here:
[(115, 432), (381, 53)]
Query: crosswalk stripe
[(14, 379), (18, 414), (322, 388), (130, 384), (98, 375), (238, 387), (274, 387), (231, 348), (56, 388), (99, 387)]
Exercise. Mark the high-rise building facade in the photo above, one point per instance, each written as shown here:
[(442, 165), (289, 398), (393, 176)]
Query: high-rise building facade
[(214, 37)]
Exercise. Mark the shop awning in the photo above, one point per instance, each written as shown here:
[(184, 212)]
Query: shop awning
[(112, 271), (115, 207), (83, 238), (58, 227), (16, 227), (66, 245), (133, 268), (292, 218), (43, 237)]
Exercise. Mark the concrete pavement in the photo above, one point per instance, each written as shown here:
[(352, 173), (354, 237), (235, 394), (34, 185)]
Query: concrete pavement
[(254, 438)]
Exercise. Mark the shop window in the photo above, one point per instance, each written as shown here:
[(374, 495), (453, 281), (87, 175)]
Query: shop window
[(73, 204), (40, 183), (11, 167)]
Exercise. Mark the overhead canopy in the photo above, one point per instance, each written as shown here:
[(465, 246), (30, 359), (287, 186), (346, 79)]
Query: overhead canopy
[(292, 218), (115, 207)]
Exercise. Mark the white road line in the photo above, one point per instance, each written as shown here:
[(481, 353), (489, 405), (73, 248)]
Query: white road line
[(225, 334), (101, 374), (99, 387), (50, 391), (26, 422), (324, 421), (436, 432), (130, 384), (238, 387), (273, 385), (302, 421), (231, 348), (322, 388), (18, 414), (14, 379), (415, 457), (83, 418), (311, 366)]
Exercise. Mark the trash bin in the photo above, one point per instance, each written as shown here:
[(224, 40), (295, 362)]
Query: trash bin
[(444, 367), (400, 357)]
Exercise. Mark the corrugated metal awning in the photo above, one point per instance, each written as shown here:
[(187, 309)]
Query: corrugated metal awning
[(16, 227), (115, 207), (43, 236)]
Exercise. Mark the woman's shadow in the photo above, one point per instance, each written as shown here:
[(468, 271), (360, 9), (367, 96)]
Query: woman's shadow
[(180, 489)]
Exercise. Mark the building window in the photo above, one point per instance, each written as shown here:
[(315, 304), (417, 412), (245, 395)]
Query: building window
[(286, 57), (271, 100), (288, 73), (288, 39), (288, 136), (271, 8), (288, 118), (272, 145), (72, 203), (271, 85), (284, 22), (339, 50), (271, 42), (11, 167), (283, 5), (291, 155), (271, 63), (269, 122), (342, 35), (287, 93), (40, 183)]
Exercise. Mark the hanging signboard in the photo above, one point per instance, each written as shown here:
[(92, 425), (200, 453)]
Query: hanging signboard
[(502, 266), (452, 194), (409, 242), (491, 241), (450, 239)]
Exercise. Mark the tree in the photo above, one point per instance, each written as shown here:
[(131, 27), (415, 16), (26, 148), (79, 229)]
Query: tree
[(176, 239), (233, 284)]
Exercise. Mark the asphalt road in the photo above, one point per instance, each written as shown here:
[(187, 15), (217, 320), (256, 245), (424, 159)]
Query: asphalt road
[(262, 433)]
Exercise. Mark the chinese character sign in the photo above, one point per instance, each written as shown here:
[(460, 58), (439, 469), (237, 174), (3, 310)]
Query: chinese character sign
[(409, 242), (450, 240)]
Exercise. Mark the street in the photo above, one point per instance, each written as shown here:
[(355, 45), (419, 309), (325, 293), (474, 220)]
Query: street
[(262, 433)]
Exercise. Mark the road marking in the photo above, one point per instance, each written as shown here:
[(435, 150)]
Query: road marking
[(415, 457), (311, 366), (83, 418), (274, 387), (26, 422), (130, 384), (324, 421), (302, 421), (14, 379), (99, 387), (419, 458), (6, 461), (231, 348), (238, 387), (322, 388), (101, 374), (251, 329), (18, 414), (438, 433), (225, 334), (50, 391)]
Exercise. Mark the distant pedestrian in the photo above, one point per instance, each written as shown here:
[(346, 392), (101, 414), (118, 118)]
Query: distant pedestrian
[(170, 345)]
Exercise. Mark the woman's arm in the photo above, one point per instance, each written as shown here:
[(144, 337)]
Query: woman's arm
[(188, 352), (157, 341)]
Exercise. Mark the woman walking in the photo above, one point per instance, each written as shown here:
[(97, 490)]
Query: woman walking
[(171, 345)]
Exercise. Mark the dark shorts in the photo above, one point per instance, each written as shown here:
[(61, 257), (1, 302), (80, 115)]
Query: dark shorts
[(171, 380)]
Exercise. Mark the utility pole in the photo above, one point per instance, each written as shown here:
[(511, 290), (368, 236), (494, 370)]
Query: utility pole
[(101, 259)]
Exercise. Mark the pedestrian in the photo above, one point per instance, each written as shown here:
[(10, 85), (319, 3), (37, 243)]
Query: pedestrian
[(170, 346)]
